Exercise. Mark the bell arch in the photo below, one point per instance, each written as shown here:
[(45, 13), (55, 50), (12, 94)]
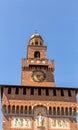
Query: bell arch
[(36, 54)]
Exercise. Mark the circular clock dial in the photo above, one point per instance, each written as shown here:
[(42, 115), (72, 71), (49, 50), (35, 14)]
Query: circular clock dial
[(38, 75)]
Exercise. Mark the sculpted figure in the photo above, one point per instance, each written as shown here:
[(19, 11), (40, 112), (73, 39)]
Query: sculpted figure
[(40, 119)]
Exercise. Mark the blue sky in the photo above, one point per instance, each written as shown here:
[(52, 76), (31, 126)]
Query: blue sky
[(57, 23)]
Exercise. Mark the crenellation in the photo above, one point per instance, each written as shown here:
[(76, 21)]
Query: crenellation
[(49, 94)]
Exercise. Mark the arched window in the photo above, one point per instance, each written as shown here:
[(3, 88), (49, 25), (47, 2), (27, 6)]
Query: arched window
[(62, 111), (58, 111), (13, 109), (36, 43), (37, 54), (50, 110), (30, 110), (25, 110), (21, 110), (54, 111), (66, 111), (17, 109), (70, 111)]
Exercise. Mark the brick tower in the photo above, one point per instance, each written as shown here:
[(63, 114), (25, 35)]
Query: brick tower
[(35, 68), (37, 104)]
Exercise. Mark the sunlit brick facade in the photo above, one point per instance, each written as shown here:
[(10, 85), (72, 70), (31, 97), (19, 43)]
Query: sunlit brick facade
[(37, 104)]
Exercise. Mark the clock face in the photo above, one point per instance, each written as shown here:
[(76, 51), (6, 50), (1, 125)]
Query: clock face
[(38, 76)]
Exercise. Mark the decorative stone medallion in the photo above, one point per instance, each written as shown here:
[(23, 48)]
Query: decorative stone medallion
[(38, 75)]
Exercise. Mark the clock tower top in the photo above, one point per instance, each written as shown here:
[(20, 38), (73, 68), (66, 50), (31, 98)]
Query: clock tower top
[(36, 70), (36, 49)]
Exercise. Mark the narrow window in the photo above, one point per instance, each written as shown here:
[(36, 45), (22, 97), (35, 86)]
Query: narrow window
[(24, 91), (50, 110), (37, 54), (70, 111), (39, 91), (54, 111), (32, 91), (21, 110), (54, 92), (62, 111), (25, 110), (9, 90), (58, 111), (62, 92), (17, 91), (69, 93), (17, 109), (66, 111), (47, 92), (30, 110), (13, 109), (36, 43)]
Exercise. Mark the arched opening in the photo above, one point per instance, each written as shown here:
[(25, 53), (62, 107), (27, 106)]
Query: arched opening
[(30, 110), (9, 109), (70, 111), (54, 111), (21, 110), (66, 111), (40, 108), (17, 109), (13, 109), (37, 54), (58, 111), (25, 110), (40, 112), (50, 110), (36, 43), (62, 111)]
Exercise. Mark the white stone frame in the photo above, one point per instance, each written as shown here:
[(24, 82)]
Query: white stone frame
[(21, 122), (59, 123)]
